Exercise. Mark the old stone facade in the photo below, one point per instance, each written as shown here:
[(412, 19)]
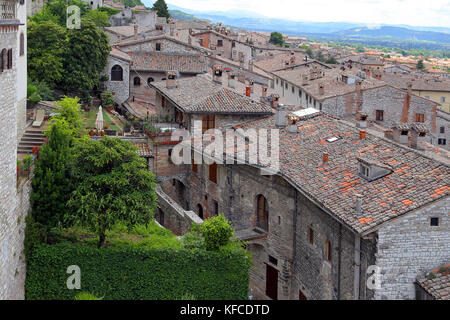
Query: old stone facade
[(411, 246), (118, 72), (14, 198)]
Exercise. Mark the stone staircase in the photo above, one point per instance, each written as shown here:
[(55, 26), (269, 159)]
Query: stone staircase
[(31, 138)]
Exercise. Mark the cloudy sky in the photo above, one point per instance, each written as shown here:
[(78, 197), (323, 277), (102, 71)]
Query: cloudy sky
[(412, 12)]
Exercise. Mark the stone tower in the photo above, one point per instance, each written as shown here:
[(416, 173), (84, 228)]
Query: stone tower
[(12, 269)]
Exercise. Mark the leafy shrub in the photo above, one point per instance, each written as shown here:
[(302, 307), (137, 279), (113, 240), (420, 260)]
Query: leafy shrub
[(107, 99), (27, 162), (137, 273), (216, 231)]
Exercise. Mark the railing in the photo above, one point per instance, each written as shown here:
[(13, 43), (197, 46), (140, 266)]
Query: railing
[(7, 9)]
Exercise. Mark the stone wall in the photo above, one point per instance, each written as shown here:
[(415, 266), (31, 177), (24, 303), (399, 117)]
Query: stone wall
[(409, 247), (443, 121), (8, 164), (120, 89), (175, 218)]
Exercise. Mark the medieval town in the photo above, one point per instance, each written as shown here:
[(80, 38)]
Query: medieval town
[(92, 96)]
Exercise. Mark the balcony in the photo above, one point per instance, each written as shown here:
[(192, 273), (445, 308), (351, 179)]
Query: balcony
[(8, 12)]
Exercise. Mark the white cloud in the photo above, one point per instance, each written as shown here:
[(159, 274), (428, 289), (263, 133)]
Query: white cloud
[(412, 12)]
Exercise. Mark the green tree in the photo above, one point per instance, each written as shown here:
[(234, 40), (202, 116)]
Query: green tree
[(85, 56), (310, 53), (420, 65), (112, 184), (45, 44), (276, 38), (100, 18), (331, 60), (161, 9), (51, 185), (70, 113), (107, 99)]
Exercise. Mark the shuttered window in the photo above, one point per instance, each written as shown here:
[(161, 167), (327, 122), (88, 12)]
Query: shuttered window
[(208, 122), (262, 212), (213, 172), (10, 58)]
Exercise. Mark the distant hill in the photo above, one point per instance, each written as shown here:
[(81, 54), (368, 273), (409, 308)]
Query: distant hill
[(390, 32), (183, 16)]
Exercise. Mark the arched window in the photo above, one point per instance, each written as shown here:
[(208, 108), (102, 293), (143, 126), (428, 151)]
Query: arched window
[(149, 80), (3, 58), (262, 213), (137, 81), (22, 44), (10, 59), (200, 210), (116, 73)]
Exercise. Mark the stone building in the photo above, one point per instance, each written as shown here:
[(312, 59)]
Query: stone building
[(130, 16), (152, 66), (118, 72), (14, 196), (202, 99), (349, 93), (343, 204)]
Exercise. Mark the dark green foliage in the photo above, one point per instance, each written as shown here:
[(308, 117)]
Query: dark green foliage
[(86, 296), (420, 65), (45, 46), (99, 18), (51, 183), (161, 9), (112, 183), (331, 60), (276, 38), (135, 274), (85, 56), (310, 53), (35, 233)]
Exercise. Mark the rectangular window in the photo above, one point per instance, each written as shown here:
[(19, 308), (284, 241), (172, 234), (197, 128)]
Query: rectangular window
[(442, 142), (163, 101), (219, 43), (420, 117), (213, 172), (434, 222), (299, 93), (379, 115), (158, 46), (215, 208), (328, 251), (442, 99), (311, 235), (273, 260), (208, 122), (442, 129)]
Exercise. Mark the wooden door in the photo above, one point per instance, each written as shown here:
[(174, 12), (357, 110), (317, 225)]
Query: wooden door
[(271, 282)]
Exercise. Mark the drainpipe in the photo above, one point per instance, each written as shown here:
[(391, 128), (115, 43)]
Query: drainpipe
[(294, 243), (339, 263), (357, 267)]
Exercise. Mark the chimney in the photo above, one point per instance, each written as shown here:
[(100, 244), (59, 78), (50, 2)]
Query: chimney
[(241, 76), (264, 93), (172, 29), (135, 31), (250, 65), (361, 120), (274, 98), (217, 77), (406, 104), (292, 125), (251, 83), (231, 80), (359, 205), (170, 80), (248, 90), (280, 117), (189, 40), (362, 134), (388, 134), (321, 89), (358, 95), (304, 79), (417, 137), (325, 157)]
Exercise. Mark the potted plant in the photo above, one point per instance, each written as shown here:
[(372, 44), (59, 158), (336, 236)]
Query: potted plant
[(19, 164), (35, 151), (27, 162)]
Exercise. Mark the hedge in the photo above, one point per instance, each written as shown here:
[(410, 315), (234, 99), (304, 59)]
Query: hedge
[(136, 273)]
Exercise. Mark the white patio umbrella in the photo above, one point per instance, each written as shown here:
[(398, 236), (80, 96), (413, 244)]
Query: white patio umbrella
[(99, 120)]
